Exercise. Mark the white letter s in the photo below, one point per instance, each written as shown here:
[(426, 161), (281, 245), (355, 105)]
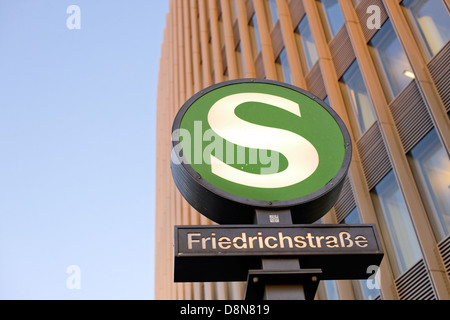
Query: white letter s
[(302, 157)]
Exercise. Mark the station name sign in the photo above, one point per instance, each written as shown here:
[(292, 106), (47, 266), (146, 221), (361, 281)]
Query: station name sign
[(330, 245), (273, 240)]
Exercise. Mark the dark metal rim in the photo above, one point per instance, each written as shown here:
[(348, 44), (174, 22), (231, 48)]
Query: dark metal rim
[(259, 203)]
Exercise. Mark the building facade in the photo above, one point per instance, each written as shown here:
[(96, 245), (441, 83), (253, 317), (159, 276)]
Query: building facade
[(383, 66)]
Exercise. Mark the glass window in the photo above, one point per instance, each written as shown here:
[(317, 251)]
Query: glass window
[(240, 60), (396, 227), (332, 290), (273, 11), (254, 35), (233, 11), (362, 290), (333, 15), (221, 32), (328, 290), (431, 169), (390, 60), (360, 287), (431, 21), (358, 97), (306, 45), (352, 217), (284, 71)]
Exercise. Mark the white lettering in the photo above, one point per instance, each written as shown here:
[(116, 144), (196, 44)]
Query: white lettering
[(74, 20), (258, 240), (374, 21), (74, 280), (373, 282)]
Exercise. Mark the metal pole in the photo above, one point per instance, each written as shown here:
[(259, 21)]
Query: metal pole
[(277, 267)]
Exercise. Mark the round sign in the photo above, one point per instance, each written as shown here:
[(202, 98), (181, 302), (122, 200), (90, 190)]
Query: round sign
[(252, 143)]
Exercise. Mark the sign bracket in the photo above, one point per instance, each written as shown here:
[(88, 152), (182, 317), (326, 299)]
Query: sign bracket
[(280, 279)]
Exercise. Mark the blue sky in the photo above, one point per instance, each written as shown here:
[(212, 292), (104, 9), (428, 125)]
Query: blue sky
[(77, 147)]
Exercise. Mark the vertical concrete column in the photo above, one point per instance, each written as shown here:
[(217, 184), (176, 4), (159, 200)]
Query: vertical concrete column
[(204, 40), (197, 85), (266, 42), (162, 253), (229, 40), (287, 31), (197, 75), (188, 80), (247, 54), (215, 38)]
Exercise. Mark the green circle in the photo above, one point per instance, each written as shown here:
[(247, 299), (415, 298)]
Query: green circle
[(315, 124)]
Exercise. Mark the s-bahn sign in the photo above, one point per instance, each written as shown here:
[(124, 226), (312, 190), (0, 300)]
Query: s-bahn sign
[(258, 151), (246, 144)]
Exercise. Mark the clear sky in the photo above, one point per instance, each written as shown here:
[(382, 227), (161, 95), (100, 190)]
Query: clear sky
[(77, 148)]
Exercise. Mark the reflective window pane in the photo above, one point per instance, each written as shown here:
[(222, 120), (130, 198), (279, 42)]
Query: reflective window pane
[(431, 21), (240, 60), (308, 47), (273, 11), (333, 15), (328, 290), (391, 61), (254, 35), (431, 168), (396, 227), (361, 288), (363, 291), (358, 97), (352, 217), (283, 64)]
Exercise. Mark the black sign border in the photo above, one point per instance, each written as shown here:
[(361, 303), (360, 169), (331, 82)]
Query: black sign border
[(226, 208), (278, 252), (216, 266)]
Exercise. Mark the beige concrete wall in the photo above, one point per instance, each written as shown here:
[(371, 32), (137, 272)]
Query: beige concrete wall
[(199, 49)]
